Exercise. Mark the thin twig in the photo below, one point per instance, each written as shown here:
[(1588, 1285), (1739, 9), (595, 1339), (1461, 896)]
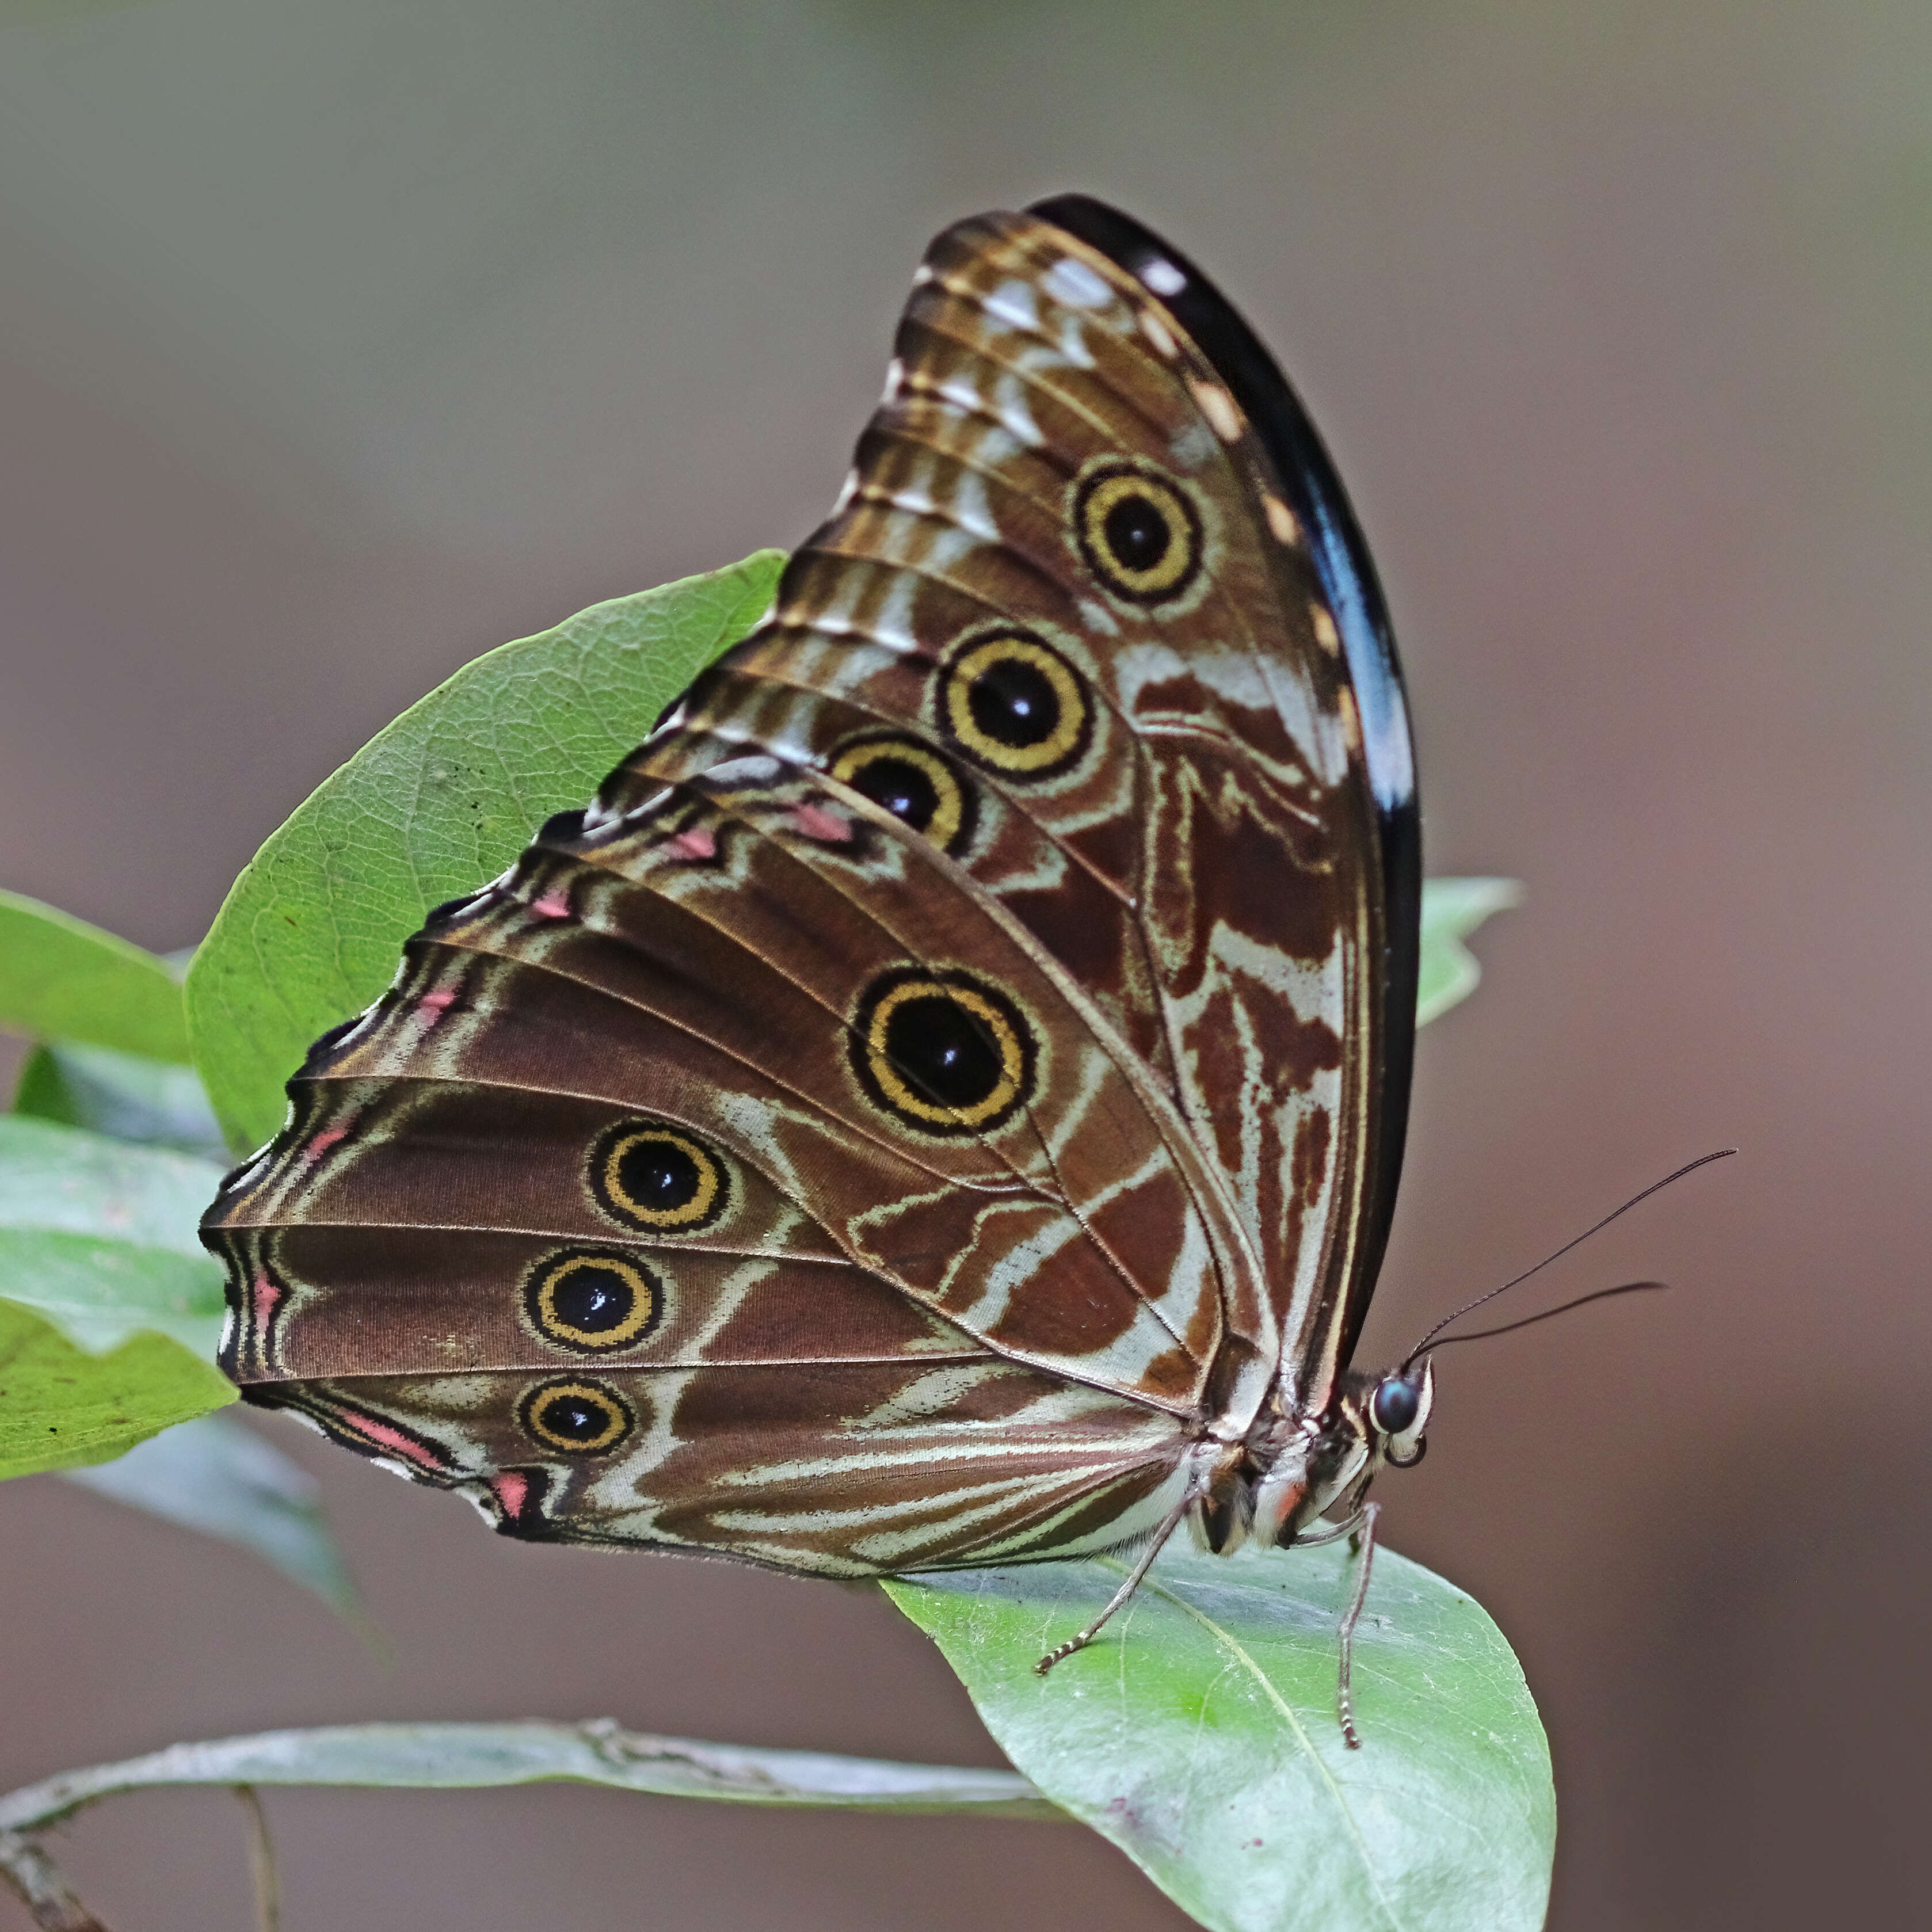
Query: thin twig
[(42, 1889), (261, 1871), (470, 1756)]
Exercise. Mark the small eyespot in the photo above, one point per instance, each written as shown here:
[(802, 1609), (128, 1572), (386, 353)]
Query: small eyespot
[(575, 1417), (1138, 531), (593, 1301), (1012, 703), (1395, 1404), (655, 1178), (942, 1053), (914, 783)]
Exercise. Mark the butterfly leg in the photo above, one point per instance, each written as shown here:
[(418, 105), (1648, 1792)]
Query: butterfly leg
[(1361, 1528), (1081, 1639)]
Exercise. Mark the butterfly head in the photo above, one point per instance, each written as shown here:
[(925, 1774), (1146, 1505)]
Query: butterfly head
[(1398, 1413)]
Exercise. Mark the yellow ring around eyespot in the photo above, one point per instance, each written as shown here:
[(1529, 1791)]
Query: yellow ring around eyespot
[(643, 1305), (1176, 561), (948, 815), (710, 1179), (616, 1427), (974, 663), (1013, 1057)]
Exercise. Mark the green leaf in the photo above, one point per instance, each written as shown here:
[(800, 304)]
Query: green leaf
[(60, 978), (215, 1476), (463, 1757), (1452, 909), (1199, 1734), (126, 1095), (60, 1405), (99, 1236), (430, 808)]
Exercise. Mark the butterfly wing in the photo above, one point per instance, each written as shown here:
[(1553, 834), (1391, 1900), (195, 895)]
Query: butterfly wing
[(939, 1077), (1095, 612)]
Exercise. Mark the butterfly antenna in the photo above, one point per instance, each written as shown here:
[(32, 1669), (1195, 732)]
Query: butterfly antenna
[(1515, 1281), (1551, 1314)]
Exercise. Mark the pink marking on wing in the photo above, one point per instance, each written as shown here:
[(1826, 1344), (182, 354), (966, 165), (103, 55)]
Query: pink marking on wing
[(263, 1295), (432, 1007), (815, 822), (321, 1145), (373, 1428), (512, 1492), (552, 905), (695, 842)]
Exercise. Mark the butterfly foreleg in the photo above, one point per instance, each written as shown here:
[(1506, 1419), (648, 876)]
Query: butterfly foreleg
[(1360, 1529), (1081, 1639)]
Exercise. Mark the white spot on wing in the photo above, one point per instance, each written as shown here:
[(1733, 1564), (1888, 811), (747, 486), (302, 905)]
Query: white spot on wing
[(1162, 277), (1157, 332), (1281, 521), (1218, 406), (1076, 284), (1012, 304)]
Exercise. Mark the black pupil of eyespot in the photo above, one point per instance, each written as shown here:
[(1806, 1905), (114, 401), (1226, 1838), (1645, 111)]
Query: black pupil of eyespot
[(659, 1175), (1396, 1404), (943, 1050), (902, 787), (1137, 533), (572, 1419), (1014, 702), (593, 1300)]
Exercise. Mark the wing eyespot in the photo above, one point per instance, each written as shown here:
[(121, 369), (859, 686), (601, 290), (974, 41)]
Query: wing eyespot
[(914, 783), (592, 1300), (1138, 531), (575, 1416), (659, 1179), (1013, 704), (942, 1053)]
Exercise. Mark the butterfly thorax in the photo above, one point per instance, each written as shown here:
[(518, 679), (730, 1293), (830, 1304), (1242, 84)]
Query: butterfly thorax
[(1292, 1469)]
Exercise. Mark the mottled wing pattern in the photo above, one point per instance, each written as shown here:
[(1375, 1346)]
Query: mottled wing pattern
[(1110, 639), (931, 1084)]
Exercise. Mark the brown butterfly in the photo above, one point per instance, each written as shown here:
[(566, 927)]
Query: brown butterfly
[(942, 1104)]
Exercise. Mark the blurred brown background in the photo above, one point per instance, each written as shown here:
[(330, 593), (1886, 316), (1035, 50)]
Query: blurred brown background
[(341, 342)]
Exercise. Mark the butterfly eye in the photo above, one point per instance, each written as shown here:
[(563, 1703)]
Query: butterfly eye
[(1014, 704), (1396, 1405), (946, 1056), (593, 1302), (652, 1177), (575, 1418), (1140, 535), (914, 784)]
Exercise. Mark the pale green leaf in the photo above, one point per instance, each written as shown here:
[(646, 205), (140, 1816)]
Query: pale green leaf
[(61, 979), (1452, 909), (215, 1476), (126, 1095), (434, 806), (99, 1235), (60, 1405), (1199, 1734)]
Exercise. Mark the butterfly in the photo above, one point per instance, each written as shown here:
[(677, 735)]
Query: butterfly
[(942, 1104)]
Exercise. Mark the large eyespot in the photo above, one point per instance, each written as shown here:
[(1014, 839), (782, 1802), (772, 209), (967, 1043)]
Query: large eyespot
[(656, 1179), (914, 783), (943, 1053), (1139, 532), (1011, 702), (592, 1300), (574, 1417)]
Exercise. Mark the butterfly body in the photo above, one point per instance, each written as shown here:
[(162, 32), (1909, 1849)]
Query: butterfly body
[(941, 1104)]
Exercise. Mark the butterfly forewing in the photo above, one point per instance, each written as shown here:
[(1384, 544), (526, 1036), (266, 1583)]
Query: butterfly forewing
[(933, 1091)]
